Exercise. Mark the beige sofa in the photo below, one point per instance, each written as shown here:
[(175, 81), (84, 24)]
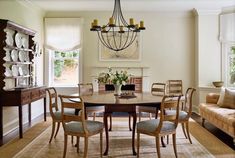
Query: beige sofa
[(223, 118)]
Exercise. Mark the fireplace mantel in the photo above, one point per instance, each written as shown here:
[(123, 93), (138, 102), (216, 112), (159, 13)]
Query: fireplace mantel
[(135, 71)]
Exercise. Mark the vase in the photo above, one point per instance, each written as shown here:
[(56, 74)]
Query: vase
[(117, 89)]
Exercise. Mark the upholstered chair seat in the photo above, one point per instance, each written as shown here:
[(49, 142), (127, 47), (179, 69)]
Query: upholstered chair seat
[(76, 127), (58, 114), (150, 126), (182, 114)]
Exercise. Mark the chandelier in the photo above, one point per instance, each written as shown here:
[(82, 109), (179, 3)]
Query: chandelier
[(117, 35)]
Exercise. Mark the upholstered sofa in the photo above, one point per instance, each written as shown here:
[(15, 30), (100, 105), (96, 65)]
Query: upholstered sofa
[(223, 118)]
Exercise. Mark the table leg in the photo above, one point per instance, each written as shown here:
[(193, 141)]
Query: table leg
[(1, 126), (133, 132), (106, 132), (20, 122), (45, 109), (29, 113)]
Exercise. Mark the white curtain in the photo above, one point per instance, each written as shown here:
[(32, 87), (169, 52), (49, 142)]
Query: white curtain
[(63, 34), (227, 27)]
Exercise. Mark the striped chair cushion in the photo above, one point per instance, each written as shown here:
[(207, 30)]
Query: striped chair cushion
[(151, 125)]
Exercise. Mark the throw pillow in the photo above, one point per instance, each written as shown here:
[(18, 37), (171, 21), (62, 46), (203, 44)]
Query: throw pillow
[(229, 99), (221, 96)]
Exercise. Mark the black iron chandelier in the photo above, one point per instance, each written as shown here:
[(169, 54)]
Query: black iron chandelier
[(117, 35)]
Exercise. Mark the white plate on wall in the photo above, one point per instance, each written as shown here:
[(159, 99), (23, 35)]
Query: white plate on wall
[(8, 55), (18, 40), (9, 37), (21, 71), (8, 72), (22, 56), (14, 55), (25, 42), (14, 69), (25, 70)]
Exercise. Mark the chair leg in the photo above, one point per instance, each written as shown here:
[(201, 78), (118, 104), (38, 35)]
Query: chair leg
[(158, 146), (110, 120), (187, 129), (53, 131), (78, 140), (101, 144), (183, 128), (85, 146), (57, 130), (138, 145), (150, 116), (167, 139), (139, 116), (174, 144), (72, 140), (130, 122), (203, 122), (94, 115), (65, 145)]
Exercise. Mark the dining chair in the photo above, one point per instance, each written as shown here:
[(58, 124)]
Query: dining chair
[(77, 125), (55, 112), (163, 126), (157, 89), (185, 112), (87, 89), (127, 87), (175, 87)]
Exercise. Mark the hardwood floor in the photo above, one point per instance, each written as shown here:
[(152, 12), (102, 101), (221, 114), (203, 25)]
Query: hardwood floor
[(215, 131)]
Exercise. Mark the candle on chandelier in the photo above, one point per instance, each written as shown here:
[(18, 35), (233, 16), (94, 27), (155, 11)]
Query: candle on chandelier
[(137, 26), (95, 23), (131, 21), (121, 28), (111, 21), (141, 24)]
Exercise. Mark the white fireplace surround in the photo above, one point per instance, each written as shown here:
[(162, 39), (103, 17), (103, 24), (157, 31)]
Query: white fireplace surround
[(135, 71)]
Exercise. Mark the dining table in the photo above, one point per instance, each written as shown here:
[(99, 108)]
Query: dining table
[(126, 102)]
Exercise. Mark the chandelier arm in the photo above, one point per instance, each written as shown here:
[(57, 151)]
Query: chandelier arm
[(131, 41), (121, 15), (126, 38), (107, 41), (120, 43), (114, 39), (102, 40)]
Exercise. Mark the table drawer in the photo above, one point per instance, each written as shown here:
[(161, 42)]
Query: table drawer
[(25, 97)]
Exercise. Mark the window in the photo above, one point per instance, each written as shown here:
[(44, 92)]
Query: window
[(63, 45), (230, 64), (65, 68), (227, 39)]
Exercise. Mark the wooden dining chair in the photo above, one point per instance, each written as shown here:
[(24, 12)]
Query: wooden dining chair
[(77, 125), (165, 125), (175, 87), (185, 112), (157, 89), (55, 112), (87, 89)]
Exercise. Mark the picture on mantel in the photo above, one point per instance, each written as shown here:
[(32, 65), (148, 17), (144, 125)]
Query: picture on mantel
[(131, 53)]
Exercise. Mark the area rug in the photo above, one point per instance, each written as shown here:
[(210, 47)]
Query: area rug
[(120, 145)]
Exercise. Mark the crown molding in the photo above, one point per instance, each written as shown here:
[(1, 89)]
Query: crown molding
[(200, 12)]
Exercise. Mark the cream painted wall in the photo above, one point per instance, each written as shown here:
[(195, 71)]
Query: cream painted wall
[(168, 44), (31, 17)]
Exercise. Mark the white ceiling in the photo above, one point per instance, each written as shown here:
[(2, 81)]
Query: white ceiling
[(131, 5)]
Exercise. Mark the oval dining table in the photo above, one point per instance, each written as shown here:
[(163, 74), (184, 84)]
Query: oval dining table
[(123, 103)]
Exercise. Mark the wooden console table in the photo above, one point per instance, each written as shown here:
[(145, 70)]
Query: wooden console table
[(20, 97)]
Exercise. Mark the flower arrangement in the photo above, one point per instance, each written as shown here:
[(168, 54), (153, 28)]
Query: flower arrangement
[(116, 78)]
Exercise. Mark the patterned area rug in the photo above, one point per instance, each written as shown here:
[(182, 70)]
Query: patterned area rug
[(120, 145)]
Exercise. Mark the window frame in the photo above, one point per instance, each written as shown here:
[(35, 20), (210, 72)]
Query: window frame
[(226, 50)]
